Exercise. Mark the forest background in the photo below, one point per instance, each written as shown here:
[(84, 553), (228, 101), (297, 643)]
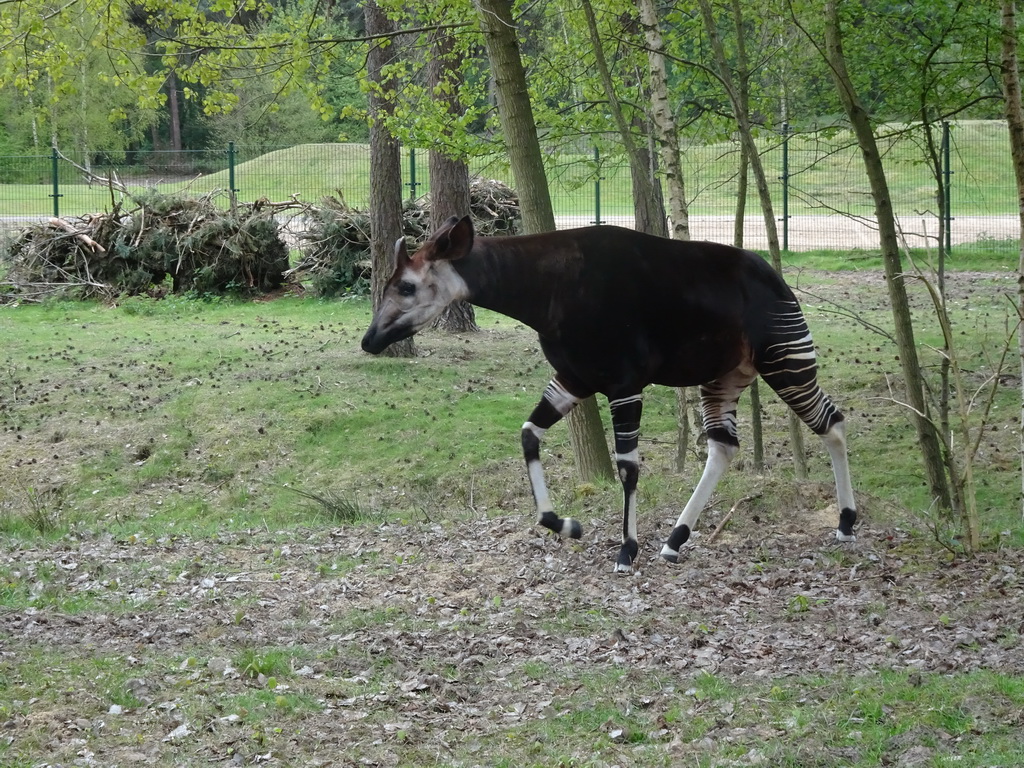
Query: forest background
[(115, 81), (468, 80)]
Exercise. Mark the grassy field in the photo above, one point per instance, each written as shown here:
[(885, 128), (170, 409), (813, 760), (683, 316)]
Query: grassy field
[(826, 176), (227, 534)]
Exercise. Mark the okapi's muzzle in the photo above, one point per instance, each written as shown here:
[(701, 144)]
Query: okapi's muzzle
[(376, 339), (372, 342)]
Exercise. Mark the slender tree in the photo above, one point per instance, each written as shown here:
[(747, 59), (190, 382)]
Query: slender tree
[(742, 184), (449, 174), (740, 105), (593, 459), (889, 241), (648, 203), (1014, 108), (385, 160), (664, 122)]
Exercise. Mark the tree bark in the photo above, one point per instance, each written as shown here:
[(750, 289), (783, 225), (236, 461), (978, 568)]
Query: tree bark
[(593, 459), (664, 122), (385, 163), (648, 204), (1014, 108), (648, 200), (516, 115), (931, 452), (756, 426), (449, 175), (738, 98), (668, 149), (174, 111), (742, 185)]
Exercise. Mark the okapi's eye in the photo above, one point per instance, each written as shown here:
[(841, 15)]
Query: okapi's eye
[(405, 288)]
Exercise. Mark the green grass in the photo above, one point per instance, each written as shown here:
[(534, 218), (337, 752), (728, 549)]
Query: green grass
[(826, 175), (983, 256), (218, 415)]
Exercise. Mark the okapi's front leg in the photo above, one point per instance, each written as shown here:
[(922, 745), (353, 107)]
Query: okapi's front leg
[(557, 402), (626, 412)]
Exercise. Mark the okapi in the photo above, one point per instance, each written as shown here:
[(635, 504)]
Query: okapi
[(617, 310)]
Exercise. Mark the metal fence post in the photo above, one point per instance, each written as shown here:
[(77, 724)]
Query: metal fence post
[(597, 186), (54, 170), (412, 173), (785, 186), (232, 192), (947, 173)]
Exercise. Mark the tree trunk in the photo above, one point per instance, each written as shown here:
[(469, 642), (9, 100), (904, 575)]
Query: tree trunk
[(668, 146), (593, 459), (742, 185), (664, 122), (756, 427), (385, 163), (648, 200), (174, 112), (449, 176), (1015, 122), (738, 98), (516, 115), (648, 204), (903, 326)]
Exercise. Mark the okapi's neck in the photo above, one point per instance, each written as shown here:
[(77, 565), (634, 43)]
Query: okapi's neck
[(513, 276)]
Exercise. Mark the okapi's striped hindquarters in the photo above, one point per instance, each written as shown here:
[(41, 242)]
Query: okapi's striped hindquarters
[(615, 311), (787, 363)]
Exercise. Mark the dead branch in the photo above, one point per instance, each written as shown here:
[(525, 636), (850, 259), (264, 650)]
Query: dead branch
[(728, 515), (108, 181), (87, 241)]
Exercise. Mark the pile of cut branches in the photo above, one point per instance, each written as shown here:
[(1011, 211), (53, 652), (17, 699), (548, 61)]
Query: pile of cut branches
[(335, 242), (494, 207), (336, 237), (189, 241)]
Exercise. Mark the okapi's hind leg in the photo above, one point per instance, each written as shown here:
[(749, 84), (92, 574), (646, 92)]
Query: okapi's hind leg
[(835, 442), (626, 413), (789, 366), (556, 403), (718, 400)]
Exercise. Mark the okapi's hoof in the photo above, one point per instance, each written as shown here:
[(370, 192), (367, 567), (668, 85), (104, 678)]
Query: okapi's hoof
[(847, 518), (565, 527), (679, 536), (627, 556)]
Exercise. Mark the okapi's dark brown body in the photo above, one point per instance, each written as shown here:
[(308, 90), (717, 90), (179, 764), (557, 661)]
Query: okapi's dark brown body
[(617, 310)]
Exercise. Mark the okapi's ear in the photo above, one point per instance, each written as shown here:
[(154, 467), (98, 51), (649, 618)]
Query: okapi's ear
[(453, 240), (401, 254)]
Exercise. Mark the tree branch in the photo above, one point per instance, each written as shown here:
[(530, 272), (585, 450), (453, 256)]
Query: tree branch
[(206, 45)]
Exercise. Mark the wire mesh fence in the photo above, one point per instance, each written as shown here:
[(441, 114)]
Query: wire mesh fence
[(816, 181)]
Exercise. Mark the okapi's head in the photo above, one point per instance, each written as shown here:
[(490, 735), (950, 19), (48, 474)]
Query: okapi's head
[(422, 285)]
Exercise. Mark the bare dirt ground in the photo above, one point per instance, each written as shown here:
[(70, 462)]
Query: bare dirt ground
[(418, 639)]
